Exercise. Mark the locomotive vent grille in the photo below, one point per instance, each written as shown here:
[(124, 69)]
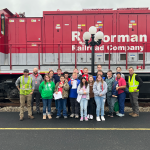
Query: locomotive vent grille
[(122, 56), (107, 57), (140, 56)]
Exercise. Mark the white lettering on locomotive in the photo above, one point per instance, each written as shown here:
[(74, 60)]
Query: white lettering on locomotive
[(120, 38), (124, 48)]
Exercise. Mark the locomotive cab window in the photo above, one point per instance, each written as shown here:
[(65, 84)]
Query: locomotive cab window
[(122, 56), (140, 56), (107, 57), (2, 24)]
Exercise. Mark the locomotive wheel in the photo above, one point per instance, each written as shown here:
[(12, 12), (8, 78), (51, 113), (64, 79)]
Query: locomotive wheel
[(13, 96)]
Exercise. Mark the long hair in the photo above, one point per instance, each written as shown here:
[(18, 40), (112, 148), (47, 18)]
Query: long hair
[(81, 83), (92, 81), (45, 78), (101, 79)]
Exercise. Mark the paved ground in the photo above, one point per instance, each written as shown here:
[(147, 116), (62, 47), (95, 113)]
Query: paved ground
[(60, 139)]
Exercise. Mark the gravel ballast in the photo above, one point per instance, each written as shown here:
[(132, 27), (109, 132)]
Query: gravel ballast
[(17, 109)]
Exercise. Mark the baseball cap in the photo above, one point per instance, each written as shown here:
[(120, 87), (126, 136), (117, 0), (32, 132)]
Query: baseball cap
[(26, 70), (118, 73)]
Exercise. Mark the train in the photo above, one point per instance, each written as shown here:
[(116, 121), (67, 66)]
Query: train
[(56, 41)]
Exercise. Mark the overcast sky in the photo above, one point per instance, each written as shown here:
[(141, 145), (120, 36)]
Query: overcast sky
[(35, 8)]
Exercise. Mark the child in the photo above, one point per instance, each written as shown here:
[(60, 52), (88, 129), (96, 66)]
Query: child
[(91, 100), (57, 79), (85, 73), (79, 76), (99, 72), (57, 76), (118, 69), (99, 68), (62, 87), (66, 75), (46, 89), (83, 89), (75, 108), (110, 81), (100, 90)]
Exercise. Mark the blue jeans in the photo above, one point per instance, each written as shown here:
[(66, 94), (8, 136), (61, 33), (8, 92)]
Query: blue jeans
[(56, 105), (99, 105), (121, 100), (46, 103), (83, 107), (62, 105)]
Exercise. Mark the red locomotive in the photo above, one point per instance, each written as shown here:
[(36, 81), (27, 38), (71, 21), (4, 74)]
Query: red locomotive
[(56, 40)]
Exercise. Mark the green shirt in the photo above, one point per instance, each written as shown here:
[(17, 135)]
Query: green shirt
[(47, 89)]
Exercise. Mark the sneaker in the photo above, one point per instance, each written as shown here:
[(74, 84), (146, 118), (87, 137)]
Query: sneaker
[(121, 115), (21, 119), (81, 119), (49, 116), (86, 119), (76, 116), (130, 114), (98, 119), (88, 116), (91, 117), (102, 117), (57, 117), (72, 115), (65, 117), (30, 117)]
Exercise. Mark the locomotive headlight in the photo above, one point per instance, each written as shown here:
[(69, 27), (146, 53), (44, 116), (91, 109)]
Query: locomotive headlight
[(86, 36), (92, 30), (99, 35)]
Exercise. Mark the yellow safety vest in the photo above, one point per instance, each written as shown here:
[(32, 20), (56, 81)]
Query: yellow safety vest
[(25, 89), (133, 84)]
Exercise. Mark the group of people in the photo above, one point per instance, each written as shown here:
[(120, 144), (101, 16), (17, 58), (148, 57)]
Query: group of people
[(78, 93)]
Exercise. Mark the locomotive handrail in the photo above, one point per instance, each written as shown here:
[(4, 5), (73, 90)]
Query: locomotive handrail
[(60, 47)]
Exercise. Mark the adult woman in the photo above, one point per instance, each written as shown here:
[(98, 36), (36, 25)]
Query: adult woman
[(51, 74), (121, 93)]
